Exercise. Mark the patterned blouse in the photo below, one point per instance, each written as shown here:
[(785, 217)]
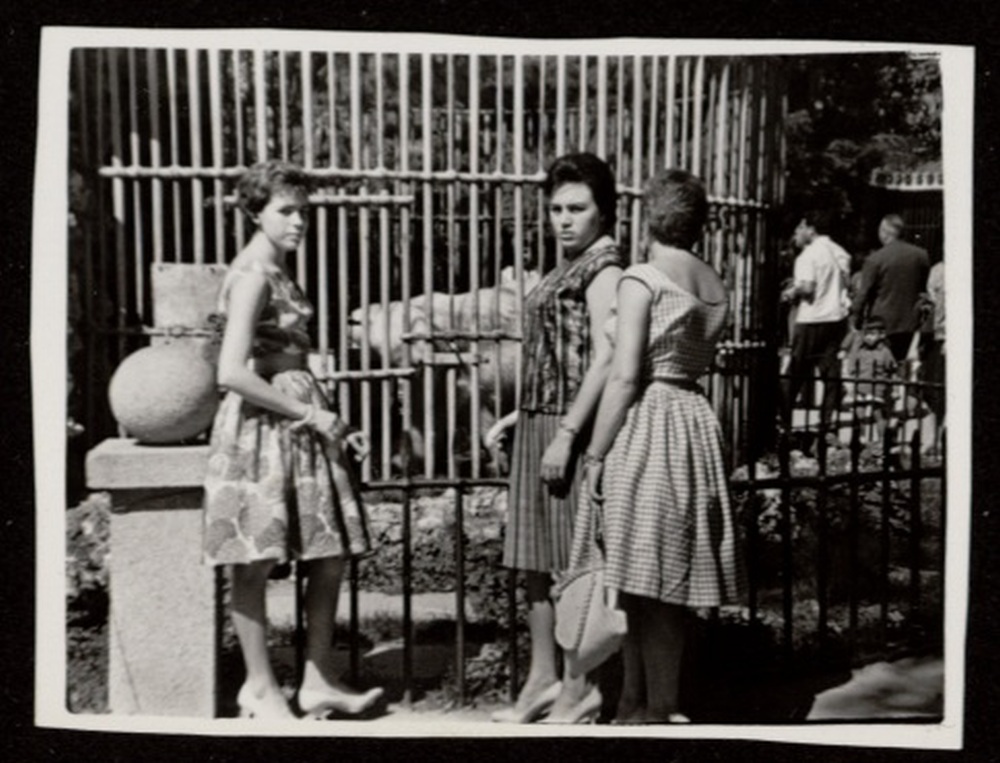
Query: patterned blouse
[(283, 321), (557, 346)]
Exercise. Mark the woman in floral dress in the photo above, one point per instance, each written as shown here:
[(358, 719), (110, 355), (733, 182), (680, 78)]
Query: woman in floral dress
[(276, 487)]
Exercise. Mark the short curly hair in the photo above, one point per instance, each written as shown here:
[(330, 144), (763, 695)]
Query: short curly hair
[(260, 182), (593, 172), (676, 206)]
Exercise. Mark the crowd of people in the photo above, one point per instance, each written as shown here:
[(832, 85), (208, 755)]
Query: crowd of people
[(863, 333), (611, 420)]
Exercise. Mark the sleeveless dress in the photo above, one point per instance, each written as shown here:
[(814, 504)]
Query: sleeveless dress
[(269, 493), (668, 525), (556, 355)]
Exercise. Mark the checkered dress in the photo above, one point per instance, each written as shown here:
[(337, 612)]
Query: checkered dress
[(668, 526)]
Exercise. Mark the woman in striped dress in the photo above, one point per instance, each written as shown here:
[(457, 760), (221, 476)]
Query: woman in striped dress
[(565, 362), (669, 535)]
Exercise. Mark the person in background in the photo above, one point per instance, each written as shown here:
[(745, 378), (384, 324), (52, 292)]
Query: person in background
[(669, 534), (819, 288), (867, 358), (276, 487), (933, 363), (566, 358), (891, 282)]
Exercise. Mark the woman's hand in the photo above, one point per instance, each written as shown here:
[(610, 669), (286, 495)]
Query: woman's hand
[(592, 474), (497, 433), (556, 459), (358, 442), (327, 424)]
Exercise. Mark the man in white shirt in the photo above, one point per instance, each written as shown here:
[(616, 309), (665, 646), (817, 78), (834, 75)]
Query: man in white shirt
[(820, 289)]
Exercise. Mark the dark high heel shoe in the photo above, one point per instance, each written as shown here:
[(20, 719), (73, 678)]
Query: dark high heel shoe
[(319, 704), (538, 707), (585, 711)]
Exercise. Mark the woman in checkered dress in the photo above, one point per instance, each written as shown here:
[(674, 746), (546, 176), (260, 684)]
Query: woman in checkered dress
[(566, 356), (656, 453)]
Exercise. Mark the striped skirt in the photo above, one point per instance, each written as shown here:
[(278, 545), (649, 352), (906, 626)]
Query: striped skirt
[(669, 530), (269, 492), (539, 529)]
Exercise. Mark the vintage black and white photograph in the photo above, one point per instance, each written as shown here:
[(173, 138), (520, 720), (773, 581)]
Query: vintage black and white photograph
[(433, 385)]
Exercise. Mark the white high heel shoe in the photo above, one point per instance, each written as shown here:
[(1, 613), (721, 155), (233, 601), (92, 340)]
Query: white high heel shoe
[(538, 707), (253, 706), (318, 704)]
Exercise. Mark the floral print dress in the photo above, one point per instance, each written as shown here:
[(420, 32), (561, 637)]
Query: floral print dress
[(269, 492)]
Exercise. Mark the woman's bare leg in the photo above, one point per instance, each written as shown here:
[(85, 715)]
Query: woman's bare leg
[(321, 597), (542, 671), (261, 693)]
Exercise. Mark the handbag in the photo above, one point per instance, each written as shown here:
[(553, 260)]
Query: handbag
[(587, 629)]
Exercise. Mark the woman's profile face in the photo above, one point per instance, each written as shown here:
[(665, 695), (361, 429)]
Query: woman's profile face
[(285, 218), (575, 217)]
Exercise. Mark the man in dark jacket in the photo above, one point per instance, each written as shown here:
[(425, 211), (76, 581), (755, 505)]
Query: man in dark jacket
[(891, 282)]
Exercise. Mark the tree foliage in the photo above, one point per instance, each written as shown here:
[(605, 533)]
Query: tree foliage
[(851, 114)]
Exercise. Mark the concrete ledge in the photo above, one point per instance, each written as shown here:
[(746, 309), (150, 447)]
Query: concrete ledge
[(124, 464)]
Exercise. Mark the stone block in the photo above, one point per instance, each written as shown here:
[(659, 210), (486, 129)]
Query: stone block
[(124, 464), (165, 606)]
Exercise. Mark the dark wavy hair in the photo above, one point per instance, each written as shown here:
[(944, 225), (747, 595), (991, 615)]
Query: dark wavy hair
[(676, 207), (260, 182), (593, 172)]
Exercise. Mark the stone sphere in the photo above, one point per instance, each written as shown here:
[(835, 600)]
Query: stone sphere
[(164, 394)]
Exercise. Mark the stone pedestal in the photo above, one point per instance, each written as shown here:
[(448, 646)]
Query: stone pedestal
[(165, 611)]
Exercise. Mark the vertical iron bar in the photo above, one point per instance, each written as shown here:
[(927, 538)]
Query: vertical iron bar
[(118, 201), (240, 136), (215, 100), (385, 388), (88, 285), (427, 125), (884, 536), (103, 343), (305, 73), (602, 106), (669, 136), (916, 529), (560, 104), (636, 122), (653, 112), (460, 592), (406, 390), (582, 116), (283, 103), (194, 131), (854, 532), (684, 160), (787, 575), (260, 105), (474, 254), (173, 99), (621, 166), (823, 555), (697, 106), (135, 158)]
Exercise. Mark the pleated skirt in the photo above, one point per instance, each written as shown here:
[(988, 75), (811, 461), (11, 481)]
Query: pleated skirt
[(539, 530), (668, 525), (269, 491)]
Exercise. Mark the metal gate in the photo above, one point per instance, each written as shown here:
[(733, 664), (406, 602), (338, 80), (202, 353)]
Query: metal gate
[(429, 224)]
